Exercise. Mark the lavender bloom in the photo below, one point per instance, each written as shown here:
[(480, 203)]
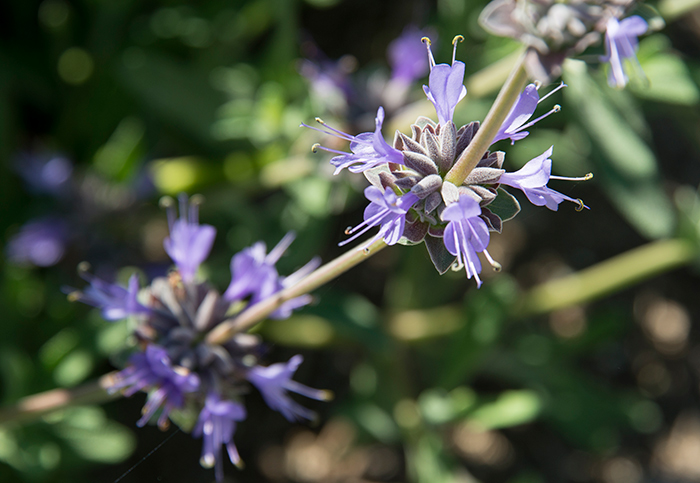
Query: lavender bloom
[(407, 57), (368, 149), (216, 425), (445, 85), (532, 179), (466, 234), (386, 209), (39, 242), (44, 174), (115, 301), (189, 242), (621, 43), (152, 369), (514, 126), (254, 276), (274, 381)]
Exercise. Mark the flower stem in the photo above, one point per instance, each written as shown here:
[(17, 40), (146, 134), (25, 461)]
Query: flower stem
[(32, 407), (606, 277), (251, 316), (507, 96)]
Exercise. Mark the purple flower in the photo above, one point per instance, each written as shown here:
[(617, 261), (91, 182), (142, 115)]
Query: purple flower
[(514, 126), (407, 57), (254, 276), (369, 149), (152, 370), (189, 242), (115, 301), (466, 234), (445, 85), (39, 242), (274, 381), (532, 179), (386, 209), (44, 173), (216, 425), (621, 43)]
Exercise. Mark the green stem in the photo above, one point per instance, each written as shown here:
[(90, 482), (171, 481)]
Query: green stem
[(32, 407), (251, 316), (606, 277), (507, 96)]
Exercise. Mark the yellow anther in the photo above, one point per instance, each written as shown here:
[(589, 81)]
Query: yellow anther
[(83, 267), (538, 84), (197, 199), (580, 206), (348, 230), (320, 121), (327, 395), (426, 40), (365, 251), (74, 296), (458, 38), (588, 176), (556, 108), (315, 147), (497, 267)]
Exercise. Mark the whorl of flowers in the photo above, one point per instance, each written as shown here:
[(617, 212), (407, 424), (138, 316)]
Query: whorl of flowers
[(175, 364), (555, 30), (410, 200)]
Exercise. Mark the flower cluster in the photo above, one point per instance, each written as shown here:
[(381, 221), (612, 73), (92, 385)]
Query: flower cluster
[(175, 364), (410, 199), (555, 30)]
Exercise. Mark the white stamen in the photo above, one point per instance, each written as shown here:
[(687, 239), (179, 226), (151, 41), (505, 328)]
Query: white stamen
[(455, 41), (497, 267), (431, 59), (589, 176), (560, 86)]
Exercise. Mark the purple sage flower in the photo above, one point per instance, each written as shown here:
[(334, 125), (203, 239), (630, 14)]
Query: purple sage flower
[(621, 43), (115, 301), (407, 56), (152, 370), (44, 173), (514, 126), (532, 180), (369, 149), (466, 234), (254, 276), (40, 242), (216, 425), (189, 242), (386, 209), (445, 84), (274, 381)]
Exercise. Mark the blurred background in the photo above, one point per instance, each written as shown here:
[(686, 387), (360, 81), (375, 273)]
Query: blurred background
[(545, 374)]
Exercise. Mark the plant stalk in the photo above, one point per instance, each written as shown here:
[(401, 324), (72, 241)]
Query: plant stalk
[(36, 405), (255, 314), (505, 100)]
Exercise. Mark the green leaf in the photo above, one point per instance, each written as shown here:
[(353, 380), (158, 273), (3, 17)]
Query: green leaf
[(90, 434), (628, 169), (512, 408), (441, 258), (505, 206)]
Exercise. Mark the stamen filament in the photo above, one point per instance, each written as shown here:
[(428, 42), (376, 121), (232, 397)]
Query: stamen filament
[(587, 177), (281, 247), (497, 267), (559, 87), (333, 131), (431, 59), (556, 108), (455, 41)]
